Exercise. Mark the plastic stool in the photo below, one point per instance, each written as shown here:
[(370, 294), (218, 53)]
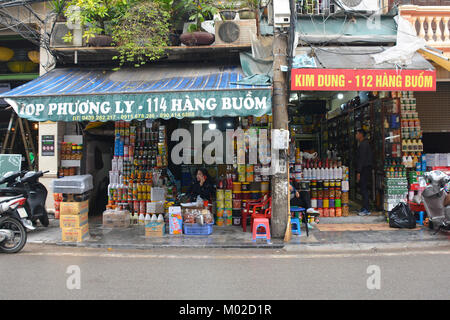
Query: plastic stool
[(297, 209), (261, 222), (420, 221), (295, 226)]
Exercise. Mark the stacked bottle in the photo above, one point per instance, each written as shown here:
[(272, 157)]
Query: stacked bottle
[(140, 155)]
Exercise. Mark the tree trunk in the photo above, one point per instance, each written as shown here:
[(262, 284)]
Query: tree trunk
[(280, 182)]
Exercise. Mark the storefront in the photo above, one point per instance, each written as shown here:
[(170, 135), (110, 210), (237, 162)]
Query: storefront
[(339, 90), (143, 133)]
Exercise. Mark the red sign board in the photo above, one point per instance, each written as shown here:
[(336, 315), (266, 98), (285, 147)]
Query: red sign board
[(309, 79)]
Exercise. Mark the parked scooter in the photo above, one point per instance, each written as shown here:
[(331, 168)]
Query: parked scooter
[(13, 221), (28, 186), (433, 198)]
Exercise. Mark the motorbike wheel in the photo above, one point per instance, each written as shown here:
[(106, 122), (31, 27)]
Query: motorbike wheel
[(20, 235)]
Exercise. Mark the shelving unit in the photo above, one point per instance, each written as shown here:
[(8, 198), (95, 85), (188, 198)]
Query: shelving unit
[(339, 135)]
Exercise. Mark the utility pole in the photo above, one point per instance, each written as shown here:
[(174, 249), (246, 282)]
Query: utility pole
[(280, 181)]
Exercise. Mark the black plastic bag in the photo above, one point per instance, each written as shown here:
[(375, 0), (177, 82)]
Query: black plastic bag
[(402, 217)]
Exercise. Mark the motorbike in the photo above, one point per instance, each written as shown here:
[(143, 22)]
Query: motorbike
[(28, 186), (433, 197), (13, 224)]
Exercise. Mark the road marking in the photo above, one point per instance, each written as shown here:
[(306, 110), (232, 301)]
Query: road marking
[(235, 257)]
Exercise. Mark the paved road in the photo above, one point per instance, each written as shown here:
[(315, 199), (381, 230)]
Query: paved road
[(45, 272)]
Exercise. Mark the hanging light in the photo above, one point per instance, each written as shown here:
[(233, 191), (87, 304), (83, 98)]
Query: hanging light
[(35, 126), (212, 124)]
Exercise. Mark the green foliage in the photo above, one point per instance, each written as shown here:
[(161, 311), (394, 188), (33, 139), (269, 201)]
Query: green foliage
[(252, 4), (142, 33), (58, 6), (203, 9), (230, 5), (94, 13)]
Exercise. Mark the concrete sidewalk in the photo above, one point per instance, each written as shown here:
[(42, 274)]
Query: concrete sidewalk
[(362, 239)]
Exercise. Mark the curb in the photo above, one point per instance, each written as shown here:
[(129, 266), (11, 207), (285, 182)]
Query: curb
[(366, 247), (296, 248), (165, 246)]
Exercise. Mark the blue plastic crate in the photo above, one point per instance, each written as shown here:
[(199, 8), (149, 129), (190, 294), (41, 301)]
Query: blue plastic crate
[(197, 229)]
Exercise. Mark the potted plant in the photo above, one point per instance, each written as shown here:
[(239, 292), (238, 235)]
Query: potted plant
[(58, 7), (227, 10), (204, 10), (142, 33), (93, 16), (179, 11), (250, 9)]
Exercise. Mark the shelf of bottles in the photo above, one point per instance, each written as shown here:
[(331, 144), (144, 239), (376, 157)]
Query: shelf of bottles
[(413, 158), (403, 146), (243, 182), (70, 155), (139, 162), (325, 179)]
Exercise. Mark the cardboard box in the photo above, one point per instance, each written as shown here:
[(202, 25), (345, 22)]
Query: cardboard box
[(73, 221), (175, 221), (75, 234), (72, 208), (116, 219), (155, 229), (155, 207), (158, 194)]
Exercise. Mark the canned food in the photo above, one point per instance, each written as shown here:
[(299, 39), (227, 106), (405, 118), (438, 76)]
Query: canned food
[(331, 212), (237, 195), (228, 195), (220, 204)]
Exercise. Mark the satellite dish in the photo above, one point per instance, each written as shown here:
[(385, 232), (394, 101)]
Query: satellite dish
[(229, 32), (352, 3)]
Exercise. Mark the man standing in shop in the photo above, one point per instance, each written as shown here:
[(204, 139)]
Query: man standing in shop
[(363, 169)]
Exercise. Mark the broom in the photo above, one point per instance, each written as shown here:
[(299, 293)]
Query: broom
[(288, 233)]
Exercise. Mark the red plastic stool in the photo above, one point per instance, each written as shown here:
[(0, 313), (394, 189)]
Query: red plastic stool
[(261, 222)]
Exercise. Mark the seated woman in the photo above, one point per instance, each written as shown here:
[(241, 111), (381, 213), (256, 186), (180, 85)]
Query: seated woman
[(202, 187), (302, 199)]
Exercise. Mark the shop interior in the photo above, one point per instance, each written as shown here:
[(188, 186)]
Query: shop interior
[(144, 149)]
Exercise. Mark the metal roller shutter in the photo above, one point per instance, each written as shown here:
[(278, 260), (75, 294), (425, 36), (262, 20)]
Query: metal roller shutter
[(434, 108)]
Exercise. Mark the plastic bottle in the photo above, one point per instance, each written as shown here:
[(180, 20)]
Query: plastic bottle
[(147, 219), (340, 172), (160, 218), (153, 219), (141, 219), (420, 146), (404, 146), (409, 162)]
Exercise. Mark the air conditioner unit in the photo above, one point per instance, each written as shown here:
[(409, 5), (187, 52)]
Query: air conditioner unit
[(360, 5), (235, 32)]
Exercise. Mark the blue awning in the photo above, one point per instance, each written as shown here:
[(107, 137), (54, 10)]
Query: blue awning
[(176, 90)]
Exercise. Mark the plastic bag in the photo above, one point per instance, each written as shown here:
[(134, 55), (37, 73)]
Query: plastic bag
[(402, 217)]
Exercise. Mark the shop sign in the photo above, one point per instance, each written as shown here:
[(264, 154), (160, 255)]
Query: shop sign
[(48, 145), (363, 80), (145, 106)]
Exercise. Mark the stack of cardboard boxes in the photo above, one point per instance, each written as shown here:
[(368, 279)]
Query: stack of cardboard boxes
[(74, 207), (74, 221)]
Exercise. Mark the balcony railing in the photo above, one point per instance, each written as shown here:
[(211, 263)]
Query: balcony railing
[(431, 22), (315, 7)]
